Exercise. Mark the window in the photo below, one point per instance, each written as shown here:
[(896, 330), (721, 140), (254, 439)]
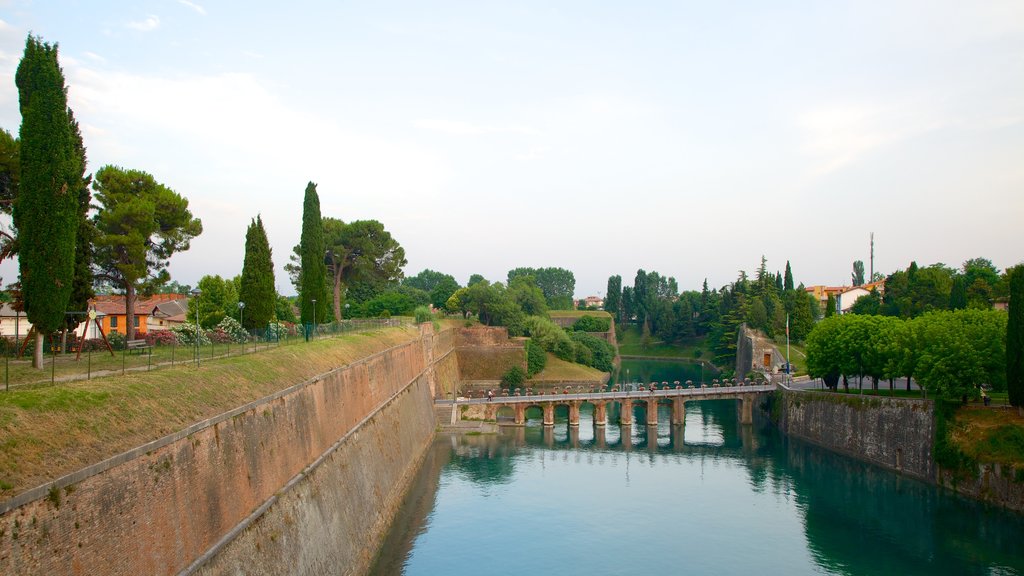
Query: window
[(136, 321), (113, 321)]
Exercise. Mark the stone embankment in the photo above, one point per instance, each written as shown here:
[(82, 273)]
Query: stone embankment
[(304, 481)]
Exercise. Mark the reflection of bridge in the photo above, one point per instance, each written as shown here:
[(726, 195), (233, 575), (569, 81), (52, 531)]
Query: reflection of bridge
[(743, 394)]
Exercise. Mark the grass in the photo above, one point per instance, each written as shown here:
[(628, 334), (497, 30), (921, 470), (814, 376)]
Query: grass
[(797, 355), (631, 344), (48, 431), (558, 370), (990, 435), (882, 391)]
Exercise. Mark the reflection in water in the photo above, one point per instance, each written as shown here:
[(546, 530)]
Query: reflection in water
[(713, 497)]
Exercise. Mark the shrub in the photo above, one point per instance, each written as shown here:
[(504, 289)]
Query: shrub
[(186, 335), (219, 336), (583, 354), (550, 337), (536, 358), (592, 324), (116, 340), (422, 314), (159, 338), (278, 330), (232, 329), (601, 352), (514, 377)]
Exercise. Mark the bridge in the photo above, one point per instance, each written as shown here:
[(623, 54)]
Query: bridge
[(743, 393)]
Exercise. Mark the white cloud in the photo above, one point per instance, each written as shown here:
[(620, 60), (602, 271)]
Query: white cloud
[(199, 9), (148, 25), (461, 128), (534, 153)]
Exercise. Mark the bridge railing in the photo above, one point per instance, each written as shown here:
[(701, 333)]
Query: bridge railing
[(614, 394)]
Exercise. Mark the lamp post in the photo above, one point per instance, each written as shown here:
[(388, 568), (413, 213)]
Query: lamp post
[(314, 317), (241, 318), (195, 294), (343, 316)]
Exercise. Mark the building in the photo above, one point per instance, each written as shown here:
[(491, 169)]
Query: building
[(169, 312), (845, 296), (591, 302), (15, 324)]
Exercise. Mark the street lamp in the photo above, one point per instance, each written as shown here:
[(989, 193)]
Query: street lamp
[(241, 318), (314, 317), (195, 294)]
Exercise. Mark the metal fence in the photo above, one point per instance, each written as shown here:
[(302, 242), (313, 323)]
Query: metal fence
[(87, 359)]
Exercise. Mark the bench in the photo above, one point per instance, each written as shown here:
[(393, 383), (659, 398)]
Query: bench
[(136, 345)]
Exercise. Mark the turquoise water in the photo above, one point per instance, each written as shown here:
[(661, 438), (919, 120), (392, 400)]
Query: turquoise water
[(712, 497)]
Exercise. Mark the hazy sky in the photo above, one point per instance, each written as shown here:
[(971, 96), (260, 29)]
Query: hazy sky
[(684, 137)]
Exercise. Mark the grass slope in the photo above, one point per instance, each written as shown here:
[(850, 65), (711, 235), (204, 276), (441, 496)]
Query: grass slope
[(46, 432), (558, 370), (631, 344)]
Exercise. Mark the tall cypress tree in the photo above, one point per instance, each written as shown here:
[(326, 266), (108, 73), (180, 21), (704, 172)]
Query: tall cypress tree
[(81, 288), (1015, 338), (257, 291), (313, 250), (46, 212), (613, 298), (787, 282)]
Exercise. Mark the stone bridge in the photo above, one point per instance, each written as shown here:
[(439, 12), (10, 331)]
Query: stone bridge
[(744, 394)]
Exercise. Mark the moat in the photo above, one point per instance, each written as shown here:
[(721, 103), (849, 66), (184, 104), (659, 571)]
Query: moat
[(713, 497)]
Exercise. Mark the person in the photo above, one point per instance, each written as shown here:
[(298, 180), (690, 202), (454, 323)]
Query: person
[(985, 398), (490, 394)]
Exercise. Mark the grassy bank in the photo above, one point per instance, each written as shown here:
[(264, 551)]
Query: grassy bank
[(558, 370), (49, 431), (989, 435)]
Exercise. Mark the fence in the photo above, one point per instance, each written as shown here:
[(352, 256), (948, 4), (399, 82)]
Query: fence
[(63, 362)]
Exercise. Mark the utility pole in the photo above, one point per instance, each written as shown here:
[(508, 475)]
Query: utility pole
[(871, 278)]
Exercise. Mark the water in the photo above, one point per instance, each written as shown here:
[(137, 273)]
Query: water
[(713, 497), (647, 371)]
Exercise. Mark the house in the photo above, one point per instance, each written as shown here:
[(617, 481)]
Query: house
[(595, 301), (114, 316), (169, 310), (845, 296), (15, 324)]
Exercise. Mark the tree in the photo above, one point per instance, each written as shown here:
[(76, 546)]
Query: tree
[(867, 305), (787, 283), (830, 306), (474, 278), (528, 296), (361, 251), (217, 300), (557, 284), (613, 297), (858, 273), (427, 280), (46, 209), (313, 270), (958, 293), (82, 282), (284, 310), (257, 289), (10, 176), (141, 224), (443, 291), (1015, 339)]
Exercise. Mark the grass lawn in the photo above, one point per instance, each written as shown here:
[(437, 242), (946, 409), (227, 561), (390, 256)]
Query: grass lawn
[(631, 344), (797, 356), (883, 390), (990, 434), (559, 370), (48, 431)]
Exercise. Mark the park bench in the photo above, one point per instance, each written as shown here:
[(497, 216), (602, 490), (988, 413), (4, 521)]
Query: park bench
[(136, 345)]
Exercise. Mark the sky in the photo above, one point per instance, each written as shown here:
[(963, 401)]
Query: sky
[(689, 138)]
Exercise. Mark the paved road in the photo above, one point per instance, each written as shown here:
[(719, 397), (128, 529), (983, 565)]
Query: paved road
[(805, 383)]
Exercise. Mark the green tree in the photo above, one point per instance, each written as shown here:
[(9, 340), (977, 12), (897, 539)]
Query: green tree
[(536, 358), (427, 279), (141, 224), (787, 283), (869, 304), (823, 353), (46, 210), (830, 306), (10, 171), (613, 297), (858, 273), (82, 284), (284, 309), (1015, 339), (958, 293), (557, 284), (360, 251), (443, 291), (217, 299), (528, 296), (257, 289), (313, 270), (474, 278)]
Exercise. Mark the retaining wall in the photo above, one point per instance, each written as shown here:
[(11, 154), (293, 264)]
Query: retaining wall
[(160, 507), (895, 433)]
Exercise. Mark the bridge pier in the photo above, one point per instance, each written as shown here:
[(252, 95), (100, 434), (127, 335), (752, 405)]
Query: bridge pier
[(599, 438), (652, 412), (520, 417), (549, 413), (626, 436), (626, 414), (746, 405), (600, 414), (574, 414), (678, 411), (491, 412)]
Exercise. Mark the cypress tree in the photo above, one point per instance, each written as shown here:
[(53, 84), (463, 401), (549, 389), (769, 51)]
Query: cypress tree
[(1015, 339), (257, 291), (81, 288), (313, 250), (830, 306), (788, 279), (46, 212)]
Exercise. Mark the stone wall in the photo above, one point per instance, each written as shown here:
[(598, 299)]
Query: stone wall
[(262, 476), (751, 348), (487, 353), (996, 483), (896, 433)]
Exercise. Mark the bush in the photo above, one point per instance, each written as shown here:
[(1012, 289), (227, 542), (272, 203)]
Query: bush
[(422, 314), (278, 330), (601, 354), (116, 340), (159, 338), (514, 377), (565, 350), (583, 354), (186, 335), (536, 358), (218, 336), (592, 324), (233, 330), (550, 337)]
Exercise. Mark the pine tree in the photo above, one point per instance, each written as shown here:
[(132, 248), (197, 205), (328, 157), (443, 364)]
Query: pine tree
[(257, 291), (313, 274), (788, 280), (47, 206), (1015, 339)]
